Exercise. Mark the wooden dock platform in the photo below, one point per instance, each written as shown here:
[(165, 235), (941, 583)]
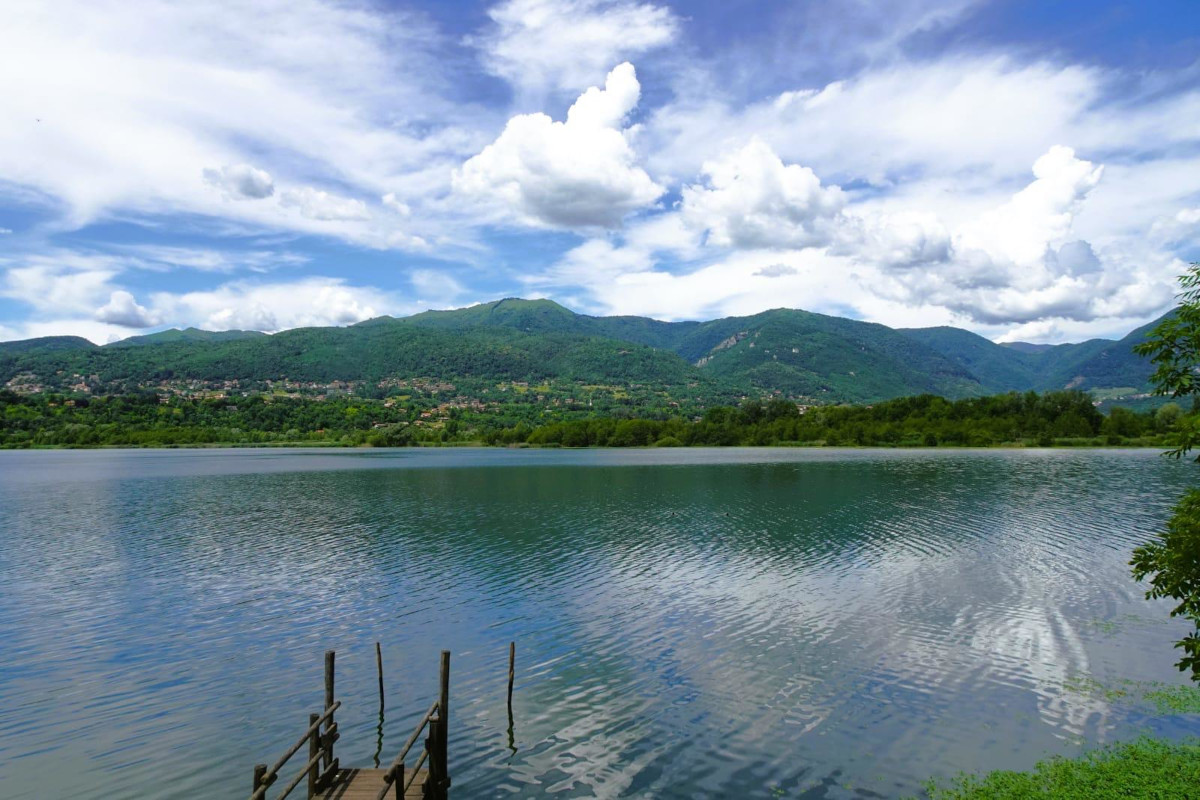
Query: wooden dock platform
[(365, 784), (323, 777)]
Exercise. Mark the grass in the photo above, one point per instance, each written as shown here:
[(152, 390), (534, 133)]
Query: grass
[(1166, 698), (1146, 768)]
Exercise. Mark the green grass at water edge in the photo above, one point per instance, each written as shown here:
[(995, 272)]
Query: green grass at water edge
[(1166, 698), (1146, 768)]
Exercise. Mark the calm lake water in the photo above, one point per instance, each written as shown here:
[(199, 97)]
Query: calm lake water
[(759, 623)]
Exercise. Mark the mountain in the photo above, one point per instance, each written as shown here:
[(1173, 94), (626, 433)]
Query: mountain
[(1090, 365), (795, 352), (802, 355), (185, 335), (45, 344), (998, 368)]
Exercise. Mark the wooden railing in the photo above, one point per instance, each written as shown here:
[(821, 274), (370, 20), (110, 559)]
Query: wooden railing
[(322, 767), (438, 780)]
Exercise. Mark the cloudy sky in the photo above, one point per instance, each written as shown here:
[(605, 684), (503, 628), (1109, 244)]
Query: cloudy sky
[(1022, 168)]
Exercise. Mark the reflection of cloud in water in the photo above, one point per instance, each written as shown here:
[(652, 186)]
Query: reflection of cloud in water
[(1039, 647)]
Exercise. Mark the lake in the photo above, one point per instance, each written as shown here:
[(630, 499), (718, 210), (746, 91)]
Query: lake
[(753, 622)]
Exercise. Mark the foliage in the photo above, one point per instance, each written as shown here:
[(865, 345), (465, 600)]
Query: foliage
[(1055, 418), (1171, 560), (1172, 563), (543, 416), (1146, 768), (811, 358)]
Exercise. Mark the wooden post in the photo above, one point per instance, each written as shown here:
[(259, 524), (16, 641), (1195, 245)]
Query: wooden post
[(435, 780), (398, 774), (329, 658), (260, 770), (314, 748), (329, 665), (512, 657), (444, 725), (379, 669)]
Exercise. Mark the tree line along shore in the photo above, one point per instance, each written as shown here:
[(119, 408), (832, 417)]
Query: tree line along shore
[(147, 419)]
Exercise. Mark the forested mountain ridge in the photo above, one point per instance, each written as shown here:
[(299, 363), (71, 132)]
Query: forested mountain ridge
[(811, 358)]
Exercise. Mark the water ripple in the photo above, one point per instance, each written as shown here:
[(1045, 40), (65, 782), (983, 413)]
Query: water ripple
[(689, 623)]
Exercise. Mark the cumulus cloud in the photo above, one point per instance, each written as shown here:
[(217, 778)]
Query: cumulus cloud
[(546, 45), (577, 173), (1020, 230), (5, 231), (898, 240), (271, 307), (321, 205), (752, 199), (122, 309), (390, 200), (776, 271), (240, 182), (1018, 263)]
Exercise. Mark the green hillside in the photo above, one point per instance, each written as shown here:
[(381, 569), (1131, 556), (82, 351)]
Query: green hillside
[(1095, 364), (998, 368), (807, 357), (186, 335)]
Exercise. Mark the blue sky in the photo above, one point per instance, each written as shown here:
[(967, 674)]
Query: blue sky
[(1027, 170)]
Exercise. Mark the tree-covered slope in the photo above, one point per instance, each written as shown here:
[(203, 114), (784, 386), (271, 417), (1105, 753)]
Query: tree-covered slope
[(801, 355), (1093, 364), (366, 353), (795, 352), (998, 368)]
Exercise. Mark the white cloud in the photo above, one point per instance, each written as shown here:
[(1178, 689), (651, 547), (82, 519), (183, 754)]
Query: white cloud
[(436, 289), (776, 271), (1017, 262), (752, 199), (1020, 230), (240, 182), (895, 240), (122, 309), (577, 173), (321, 205), (111, 109), (59, 283), (396, 204), (5, 231), (541, 46), (922, 120), (161, 258), (271, 307)]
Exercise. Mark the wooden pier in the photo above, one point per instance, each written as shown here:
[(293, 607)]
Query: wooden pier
[(325, 778)]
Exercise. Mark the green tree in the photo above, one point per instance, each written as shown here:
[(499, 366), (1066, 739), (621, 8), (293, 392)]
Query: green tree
[(1171, 560)]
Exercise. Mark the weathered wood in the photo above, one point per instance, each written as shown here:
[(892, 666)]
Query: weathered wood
[(328, 777), (315, 752), (365, 784), (437, 765), (329, 664), (334, 783), (512, 658), (308, 770), (379, 669), (260, 771), (443, 738), (312, 731), (416, 773)]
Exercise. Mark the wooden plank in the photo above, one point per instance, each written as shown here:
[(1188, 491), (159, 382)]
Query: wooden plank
[(364, 784)]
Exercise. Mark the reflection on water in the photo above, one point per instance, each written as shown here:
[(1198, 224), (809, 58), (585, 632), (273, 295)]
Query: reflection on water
[(688, 623)]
